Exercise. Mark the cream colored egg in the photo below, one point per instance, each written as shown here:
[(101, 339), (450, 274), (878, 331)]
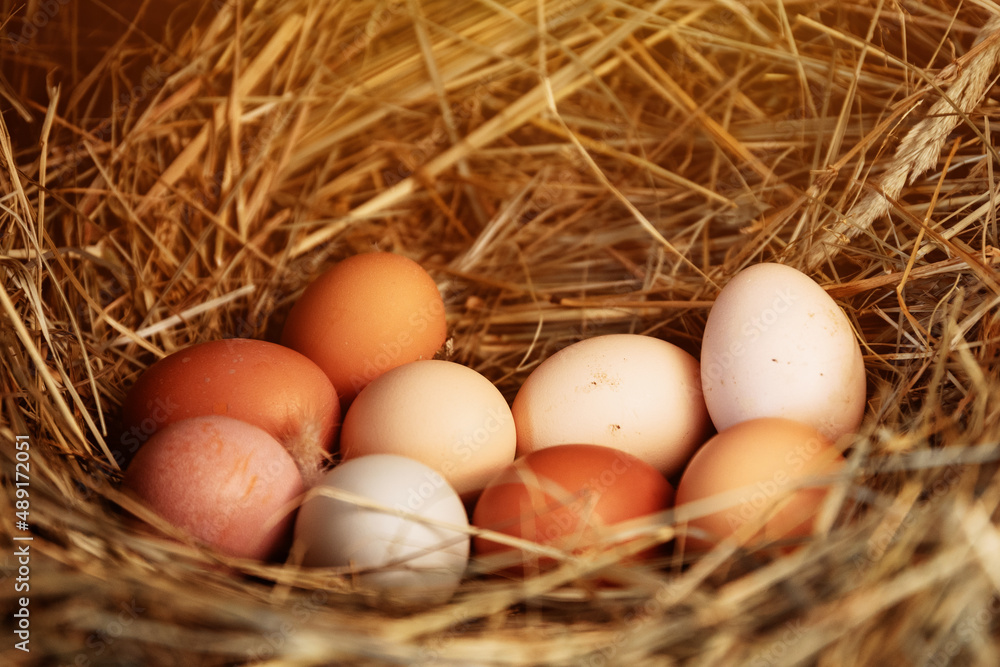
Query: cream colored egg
[(638, 394), (777, 345), (440, 413)]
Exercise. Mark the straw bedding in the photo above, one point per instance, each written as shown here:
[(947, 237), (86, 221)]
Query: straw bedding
[(175, 172)]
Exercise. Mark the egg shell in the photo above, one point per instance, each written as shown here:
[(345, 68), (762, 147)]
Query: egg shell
[(224, 481), (777, 345), (443, 414), (264, 384), (364, 316), (570, 497), (395, 554), (635, 393), (763, 466)]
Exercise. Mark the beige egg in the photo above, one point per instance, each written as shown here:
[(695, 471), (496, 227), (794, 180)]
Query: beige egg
[(441, 413), (777, 345), (638, 394)]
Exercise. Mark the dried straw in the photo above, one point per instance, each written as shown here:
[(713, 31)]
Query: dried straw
[(178, 172), (967, 79)]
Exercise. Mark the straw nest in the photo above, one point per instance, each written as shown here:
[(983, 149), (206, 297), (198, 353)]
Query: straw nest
[(178, 172)]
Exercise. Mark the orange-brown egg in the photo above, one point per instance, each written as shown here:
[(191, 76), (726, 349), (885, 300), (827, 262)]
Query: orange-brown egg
[(570, 497), (265, 384), (222, 480), (759, 469), (367, 314)]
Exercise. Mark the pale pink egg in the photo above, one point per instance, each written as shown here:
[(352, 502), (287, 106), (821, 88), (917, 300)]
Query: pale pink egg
[(225, 482), (777, 345)]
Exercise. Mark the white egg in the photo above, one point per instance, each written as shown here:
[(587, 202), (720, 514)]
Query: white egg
[(412, 546), (777, 345), (638, 394)]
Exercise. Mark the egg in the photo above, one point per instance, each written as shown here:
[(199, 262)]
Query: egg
[(777, 345), (635, 393), (407, 539), (262, 383), (758, 470), (570, 497), (366, 315), (440, 413), (227, 483)]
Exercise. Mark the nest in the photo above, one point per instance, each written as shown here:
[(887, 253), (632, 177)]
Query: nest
[(175, 173)]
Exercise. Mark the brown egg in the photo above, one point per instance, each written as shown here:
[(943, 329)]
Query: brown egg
[(758, 464), (367, 314), (222, 480), (570, 497), (265, 384)]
